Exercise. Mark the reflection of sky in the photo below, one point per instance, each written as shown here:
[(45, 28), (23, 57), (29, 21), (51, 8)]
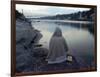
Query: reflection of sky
[(37, 11), (80, 42)]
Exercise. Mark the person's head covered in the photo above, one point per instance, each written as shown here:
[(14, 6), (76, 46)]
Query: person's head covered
[(58, 32)]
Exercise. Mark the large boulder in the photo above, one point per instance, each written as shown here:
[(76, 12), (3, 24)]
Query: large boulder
[(26, 37)]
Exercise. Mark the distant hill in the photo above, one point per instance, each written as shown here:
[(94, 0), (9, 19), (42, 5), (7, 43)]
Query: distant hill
[(85, 16)]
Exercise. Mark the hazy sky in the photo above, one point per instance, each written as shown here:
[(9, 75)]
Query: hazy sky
[(40, 11)]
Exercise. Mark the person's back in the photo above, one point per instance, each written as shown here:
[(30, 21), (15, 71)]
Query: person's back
[(57, 48)]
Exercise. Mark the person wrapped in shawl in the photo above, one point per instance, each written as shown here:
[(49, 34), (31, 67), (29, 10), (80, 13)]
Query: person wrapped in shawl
[(57, 48)]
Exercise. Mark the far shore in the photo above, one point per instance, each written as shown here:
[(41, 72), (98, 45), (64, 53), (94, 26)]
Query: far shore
[(67, 21)]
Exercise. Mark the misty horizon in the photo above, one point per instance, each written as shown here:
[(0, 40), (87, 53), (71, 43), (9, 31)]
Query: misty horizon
[(37, 11)]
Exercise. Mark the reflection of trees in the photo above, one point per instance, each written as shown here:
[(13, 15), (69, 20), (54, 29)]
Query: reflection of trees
[(89, 27)]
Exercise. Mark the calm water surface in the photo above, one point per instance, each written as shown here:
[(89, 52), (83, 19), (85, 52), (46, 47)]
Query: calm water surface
[(80, 41)]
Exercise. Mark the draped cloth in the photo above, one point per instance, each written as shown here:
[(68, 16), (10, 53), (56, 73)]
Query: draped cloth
[(57, 48)]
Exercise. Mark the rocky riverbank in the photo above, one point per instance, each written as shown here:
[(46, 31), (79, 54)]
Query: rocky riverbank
[(27, 47)]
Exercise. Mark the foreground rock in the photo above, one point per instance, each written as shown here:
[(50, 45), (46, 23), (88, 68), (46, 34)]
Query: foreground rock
[(26, 39), (66, 65)]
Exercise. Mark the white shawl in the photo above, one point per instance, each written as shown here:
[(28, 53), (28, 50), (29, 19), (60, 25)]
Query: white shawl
[(57, 48)]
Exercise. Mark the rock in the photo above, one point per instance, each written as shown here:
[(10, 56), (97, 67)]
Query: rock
[(40, 52), (26, 37), (66, 65)]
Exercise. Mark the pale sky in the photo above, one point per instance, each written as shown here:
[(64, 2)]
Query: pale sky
[(40, 11)]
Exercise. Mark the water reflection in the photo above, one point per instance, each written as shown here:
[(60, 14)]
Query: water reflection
[(78, 37)]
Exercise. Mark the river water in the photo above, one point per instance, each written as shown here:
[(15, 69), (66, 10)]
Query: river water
[(80, 41)]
